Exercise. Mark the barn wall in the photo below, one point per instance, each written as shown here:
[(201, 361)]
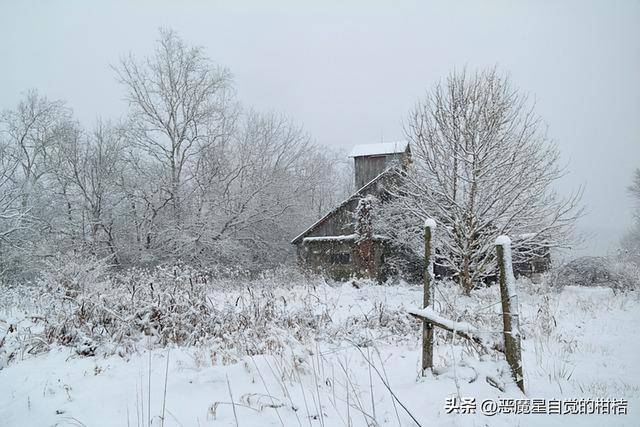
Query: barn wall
[(368, 167), (320, 255), (340, 223), (329, 257)]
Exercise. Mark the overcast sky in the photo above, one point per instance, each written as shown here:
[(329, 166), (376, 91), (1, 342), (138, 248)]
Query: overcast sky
[(350, 73)]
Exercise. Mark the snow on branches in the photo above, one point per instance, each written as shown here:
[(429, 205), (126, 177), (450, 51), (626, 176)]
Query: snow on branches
[(363, 217), (482, 166)]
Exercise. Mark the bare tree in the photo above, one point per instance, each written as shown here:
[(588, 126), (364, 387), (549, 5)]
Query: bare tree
[(180, 105), (88, 169), (11, 211), (634, 190), (331, 180), (29, 134), (248, 198), (31, 131), (234, 181), (630, 245), (483, 167)]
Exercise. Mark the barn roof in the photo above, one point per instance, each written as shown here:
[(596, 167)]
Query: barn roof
[(379, 149), (361, 192)]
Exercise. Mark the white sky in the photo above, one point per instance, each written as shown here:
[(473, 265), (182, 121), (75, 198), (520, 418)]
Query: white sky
[(350, 73)]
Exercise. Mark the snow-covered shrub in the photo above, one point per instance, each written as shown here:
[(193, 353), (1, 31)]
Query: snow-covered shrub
[(178, 306), (74, 272), (162, 307), (628, 274), (596, 271), (629, 250), (363, 217)]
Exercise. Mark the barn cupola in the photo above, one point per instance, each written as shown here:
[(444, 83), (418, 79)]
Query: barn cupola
[(373, 159)]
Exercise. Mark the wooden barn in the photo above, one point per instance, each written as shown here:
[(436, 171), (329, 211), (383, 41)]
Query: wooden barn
[(341, 244), (333, 244)]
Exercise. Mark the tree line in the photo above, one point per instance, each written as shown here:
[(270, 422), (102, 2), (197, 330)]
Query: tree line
[(189, 174), (630, 247)]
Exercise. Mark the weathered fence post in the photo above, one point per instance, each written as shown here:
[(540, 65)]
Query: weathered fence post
[(427, 327), (510, 317)]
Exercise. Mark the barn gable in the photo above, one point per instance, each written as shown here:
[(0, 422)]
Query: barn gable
[(339, 221)]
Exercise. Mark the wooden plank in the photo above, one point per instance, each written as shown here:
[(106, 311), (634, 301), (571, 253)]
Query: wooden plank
[(462, 329)]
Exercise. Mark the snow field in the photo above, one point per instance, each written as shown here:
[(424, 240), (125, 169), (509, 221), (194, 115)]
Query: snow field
[(360, 367)]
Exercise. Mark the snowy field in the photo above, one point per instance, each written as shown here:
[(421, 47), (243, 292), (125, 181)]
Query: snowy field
[(307, 353)]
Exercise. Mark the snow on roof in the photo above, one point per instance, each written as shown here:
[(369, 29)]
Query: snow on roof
[(342, 238), (377, 149), (345, 237)]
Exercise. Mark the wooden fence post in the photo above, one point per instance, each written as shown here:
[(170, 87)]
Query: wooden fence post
[(510, 317), (427, 327)]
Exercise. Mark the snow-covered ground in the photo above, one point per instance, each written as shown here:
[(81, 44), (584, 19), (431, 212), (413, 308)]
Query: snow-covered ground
[(580, 343)]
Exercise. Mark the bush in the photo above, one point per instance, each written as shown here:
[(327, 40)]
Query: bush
[(75, 272), (177, 306), (596, 271)]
